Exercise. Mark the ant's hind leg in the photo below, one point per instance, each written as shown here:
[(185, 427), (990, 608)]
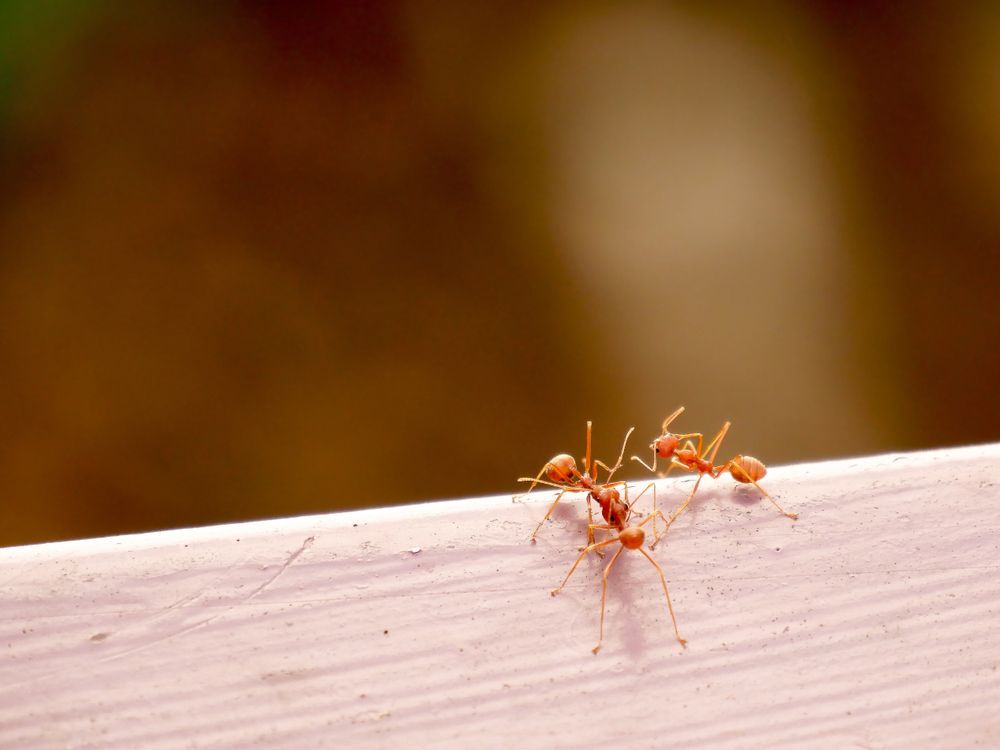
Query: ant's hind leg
[(717, 442), (604, 594), (670, 607), (764, 492)]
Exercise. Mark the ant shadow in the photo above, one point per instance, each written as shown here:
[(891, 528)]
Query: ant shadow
[(625, 608), (745, 496), (572, 509), (571, 515), (627, 579), (634, 603)]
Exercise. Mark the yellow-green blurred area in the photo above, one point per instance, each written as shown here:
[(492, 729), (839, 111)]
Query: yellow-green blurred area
[(263, 259)]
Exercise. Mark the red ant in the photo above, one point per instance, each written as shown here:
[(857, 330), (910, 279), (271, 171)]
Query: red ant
[(630, 536), (745, 469), (564, 475)]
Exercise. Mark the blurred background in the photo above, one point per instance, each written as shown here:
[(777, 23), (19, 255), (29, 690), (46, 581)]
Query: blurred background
[(263, 259)]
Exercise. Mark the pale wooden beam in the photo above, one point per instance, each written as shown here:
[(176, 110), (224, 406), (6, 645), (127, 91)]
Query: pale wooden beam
[(870, 622)]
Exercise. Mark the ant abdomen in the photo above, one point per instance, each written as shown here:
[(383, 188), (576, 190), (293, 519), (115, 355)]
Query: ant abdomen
[(632, 537), (747, 469)]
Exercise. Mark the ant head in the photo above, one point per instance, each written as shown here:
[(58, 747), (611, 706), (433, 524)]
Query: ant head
[(665, 445), (562, 469)]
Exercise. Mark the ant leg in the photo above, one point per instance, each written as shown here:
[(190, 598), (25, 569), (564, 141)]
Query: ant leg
[(604, 593), (717, 442), (670, 607), (590, 512), (663, 431), (601, 465), (655, 511), (562, 491), (673, 516), (690, 435), (644, 491), (674, 464), (656, 535), (548, 513), (537, 480), (611, 470), (660, 474), (598, 527), (619, 483), (534, 482), (670, 468), (621, 455), (583, 554), (590, 527), (586, 463), (765, 493), (671, 418), (650, 517), (568, 488), (590, 522), (651, 468)]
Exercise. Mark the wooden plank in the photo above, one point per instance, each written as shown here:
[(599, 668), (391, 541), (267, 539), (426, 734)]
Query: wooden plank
[(870, 622)]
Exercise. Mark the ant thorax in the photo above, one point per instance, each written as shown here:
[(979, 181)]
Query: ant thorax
[(615, 512)]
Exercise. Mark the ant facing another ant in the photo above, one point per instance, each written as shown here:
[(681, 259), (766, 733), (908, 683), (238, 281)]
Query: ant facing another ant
[(617, 515), (685, 451), (564, 475), (745, 469)]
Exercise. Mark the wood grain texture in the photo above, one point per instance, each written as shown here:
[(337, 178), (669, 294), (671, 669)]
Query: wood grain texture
[(871, 622)]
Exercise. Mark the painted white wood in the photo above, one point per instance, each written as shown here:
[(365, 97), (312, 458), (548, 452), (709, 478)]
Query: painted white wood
[(871, 622)]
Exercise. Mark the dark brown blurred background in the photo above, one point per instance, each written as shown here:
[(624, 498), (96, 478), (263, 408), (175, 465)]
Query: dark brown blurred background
[(262, 259)]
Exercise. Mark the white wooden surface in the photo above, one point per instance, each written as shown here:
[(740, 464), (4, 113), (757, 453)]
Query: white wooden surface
[(871, 622)]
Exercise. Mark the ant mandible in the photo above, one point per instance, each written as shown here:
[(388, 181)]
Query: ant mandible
[(617, 514), (564, 475), (744, 469)]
